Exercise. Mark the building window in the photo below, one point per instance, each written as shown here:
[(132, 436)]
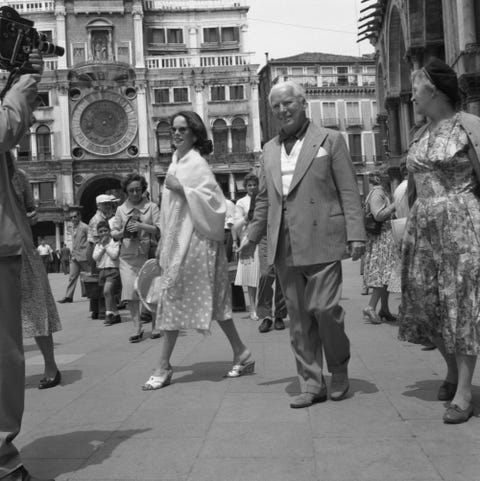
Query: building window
[(342, 75), (162, 96), (328, 77), (355, 146), (171, 95), (297, 71), (239, 135), (353, 113), (164, 140), (236, 92), (211, 35), (46, 192), (217, 92), (180, 95), (230, 34), (329, 114), (156, 35), (174, 35), (220, 136), (44, 99), (44, 149), (24, 150)]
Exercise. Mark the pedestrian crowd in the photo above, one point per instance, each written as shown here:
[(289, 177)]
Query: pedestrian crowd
[(301, 216)]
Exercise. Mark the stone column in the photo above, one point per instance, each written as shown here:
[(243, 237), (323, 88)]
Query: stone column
[(61, 32), (231, 186), (57, 236), (33, 143), (243, 36), (254, 116), (63, 108), (198, 104), (193, 41), (137, 14), (142, 114), (229, 139), (466, 22)]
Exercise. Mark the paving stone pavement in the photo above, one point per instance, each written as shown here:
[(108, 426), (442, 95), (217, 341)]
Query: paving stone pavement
[(99, 425)]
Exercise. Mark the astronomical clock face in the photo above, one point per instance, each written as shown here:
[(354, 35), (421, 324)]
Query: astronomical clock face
[(104, 123)]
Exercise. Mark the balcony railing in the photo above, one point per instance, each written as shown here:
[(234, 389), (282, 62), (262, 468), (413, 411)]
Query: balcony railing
[(188, 61), (189, 5), (330, 80), (354, 121), (358, 159), (28, 6), (228, 45), (330, 121)]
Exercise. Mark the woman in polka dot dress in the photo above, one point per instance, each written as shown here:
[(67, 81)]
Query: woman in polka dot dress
[(194, 288)]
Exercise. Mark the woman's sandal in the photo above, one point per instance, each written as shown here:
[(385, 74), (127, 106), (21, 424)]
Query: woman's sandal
[(155, 334), (136, 337), (157, 382), (244, 366)]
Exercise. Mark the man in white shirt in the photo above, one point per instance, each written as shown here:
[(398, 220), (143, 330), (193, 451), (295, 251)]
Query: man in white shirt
[(45, 252)]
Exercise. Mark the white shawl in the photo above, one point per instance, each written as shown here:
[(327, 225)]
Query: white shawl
[(202, 210)]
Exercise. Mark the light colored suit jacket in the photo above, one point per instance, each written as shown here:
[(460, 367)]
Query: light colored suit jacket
[(323, 207)]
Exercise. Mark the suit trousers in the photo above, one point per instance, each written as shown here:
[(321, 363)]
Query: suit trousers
[(312, 294), (266, 297), (75, 268), (12, 363)]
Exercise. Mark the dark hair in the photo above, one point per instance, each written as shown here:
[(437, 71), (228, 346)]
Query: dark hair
[(103, 223), (444, 78), (203, 144), (134, 178), (250, 178)]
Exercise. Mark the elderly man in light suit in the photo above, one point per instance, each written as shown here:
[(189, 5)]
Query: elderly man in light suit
[(310, 206)]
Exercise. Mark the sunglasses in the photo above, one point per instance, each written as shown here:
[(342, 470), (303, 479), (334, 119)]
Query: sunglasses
[(134, 190)]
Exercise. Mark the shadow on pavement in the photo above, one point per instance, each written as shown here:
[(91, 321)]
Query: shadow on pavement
[(428, 388), (93, 447), (202, 371), (68, 377)]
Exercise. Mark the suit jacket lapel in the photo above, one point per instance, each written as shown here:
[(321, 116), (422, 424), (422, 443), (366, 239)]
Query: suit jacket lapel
[(313, 140), (274, 165)]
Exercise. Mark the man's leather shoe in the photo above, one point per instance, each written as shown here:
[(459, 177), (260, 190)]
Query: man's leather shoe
[(94, 315), (455, 415), (21, 474), (278, 325), (112, 319), (339, 386), (306, 399), (65, 300), (266, 325)]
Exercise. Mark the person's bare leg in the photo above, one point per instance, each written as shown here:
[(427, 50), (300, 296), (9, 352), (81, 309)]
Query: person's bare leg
[(134, 308), (452, 370), (238, 347), (167, 344), (45, 344), (466, 366)]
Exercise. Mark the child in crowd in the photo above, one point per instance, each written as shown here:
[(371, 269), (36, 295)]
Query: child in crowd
[(105, 254)]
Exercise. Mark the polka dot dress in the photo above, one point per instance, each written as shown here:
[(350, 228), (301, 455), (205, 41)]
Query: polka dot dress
[(202, 293)]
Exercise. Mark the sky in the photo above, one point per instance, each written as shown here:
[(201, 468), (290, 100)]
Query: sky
[(288, 27)]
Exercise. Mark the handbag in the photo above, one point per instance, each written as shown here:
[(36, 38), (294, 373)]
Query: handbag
[(398, 229), (372, 226)]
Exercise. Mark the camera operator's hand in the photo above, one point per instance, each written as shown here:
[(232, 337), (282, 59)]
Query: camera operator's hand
[(36, 62)]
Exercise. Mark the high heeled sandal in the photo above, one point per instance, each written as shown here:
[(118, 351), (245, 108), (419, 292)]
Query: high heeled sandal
[(244, 366), (369, 315), (157, 382), (387, 316)]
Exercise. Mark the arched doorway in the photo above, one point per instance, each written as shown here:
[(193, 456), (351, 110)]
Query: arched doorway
[(98, 185)]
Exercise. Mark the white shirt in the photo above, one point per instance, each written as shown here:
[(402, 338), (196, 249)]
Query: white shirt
[(106, 256), (230, 214), (288, 163), (44, 250)]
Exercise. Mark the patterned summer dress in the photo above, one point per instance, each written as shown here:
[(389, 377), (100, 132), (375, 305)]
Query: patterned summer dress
[(441, 249)]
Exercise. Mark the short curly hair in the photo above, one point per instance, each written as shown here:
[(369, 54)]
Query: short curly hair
[(250, 178), (134, 178)]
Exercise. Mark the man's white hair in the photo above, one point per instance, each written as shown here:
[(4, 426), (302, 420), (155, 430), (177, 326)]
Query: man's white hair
[(297, 90)]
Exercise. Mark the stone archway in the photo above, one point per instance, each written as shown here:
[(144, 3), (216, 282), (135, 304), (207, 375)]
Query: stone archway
[(100, 184)]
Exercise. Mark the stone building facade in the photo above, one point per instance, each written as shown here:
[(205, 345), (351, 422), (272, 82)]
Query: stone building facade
[(340, 94), (405, 34), (106, 104)]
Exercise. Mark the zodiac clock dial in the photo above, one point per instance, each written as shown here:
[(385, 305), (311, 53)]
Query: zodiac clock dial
[(104, 123)]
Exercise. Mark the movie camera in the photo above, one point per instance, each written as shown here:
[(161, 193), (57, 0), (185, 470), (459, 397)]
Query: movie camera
[(18, 37)]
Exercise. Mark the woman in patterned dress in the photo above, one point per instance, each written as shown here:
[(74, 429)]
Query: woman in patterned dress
[(441, 245), (39, 312), (379, 254), (193, 288)]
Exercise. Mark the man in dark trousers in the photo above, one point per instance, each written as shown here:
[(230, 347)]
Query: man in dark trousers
[(309, 205)]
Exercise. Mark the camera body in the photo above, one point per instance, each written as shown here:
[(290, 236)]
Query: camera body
[(18, 37)]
